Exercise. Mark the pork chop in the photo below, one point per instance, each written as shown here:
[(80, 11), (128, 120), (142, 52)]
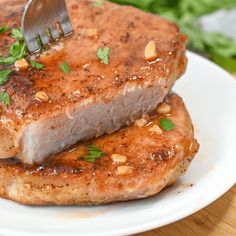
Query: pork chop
[(138, 162), (93, 98)]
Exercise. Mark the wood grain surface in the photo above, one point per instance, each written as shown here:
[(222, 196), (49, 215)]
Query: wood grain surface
[(218, 219)]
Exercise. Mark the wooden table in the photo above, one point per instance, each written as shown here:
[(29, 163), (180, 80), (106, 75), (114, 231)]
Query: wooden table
[(218, 219)]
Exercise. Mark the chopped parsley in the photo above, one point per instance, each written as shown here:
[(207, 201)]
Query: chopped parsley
[(65, 67), (36, 65), (103, 55), (17, 34), (7, 60), (18, 49), (167, 124), (98, 3), (3, 29), (5, 98), (94, 153), (4, 76)]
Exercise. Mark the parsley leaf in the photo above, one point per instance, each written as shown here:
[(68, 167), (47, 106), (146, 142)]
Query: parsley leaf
[(36, 65), (4, 76), (65, 67), (5, 98), (103, 55), (94, 153), (17, 51), (167, 124), (7, 60), (98, 3), (3, 29), (17, 34)]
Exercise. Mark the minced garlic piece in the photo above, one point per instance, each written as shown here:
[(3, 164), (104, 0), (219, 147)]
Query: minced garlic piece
[(117, 158), (141, 122), (150, 51), (92, 32), (124, 170), (156, 129), (164, 109), (21, 64), (41, 96)]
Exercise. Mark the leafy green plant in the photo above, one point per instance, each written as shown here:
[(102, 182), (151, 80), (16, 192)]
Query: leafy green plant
[(186, 13)]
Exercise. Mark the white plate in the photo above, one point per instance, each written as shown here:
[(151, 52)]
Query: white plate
[(210, 95)]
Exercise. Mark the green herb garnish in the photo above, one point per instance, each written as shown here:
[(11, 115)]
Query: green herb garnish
[(18, 50), (94, 153), (103, 55), (4, 76), (36, 65), (167, 124), (5, 98), (3, 29), (17, 34), (98, 3), (7, 60), (65, 67)]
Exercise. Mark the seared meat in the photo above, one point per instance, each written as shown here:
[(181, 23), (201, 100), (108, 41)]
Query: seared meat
[(93, 98), (149, 162)]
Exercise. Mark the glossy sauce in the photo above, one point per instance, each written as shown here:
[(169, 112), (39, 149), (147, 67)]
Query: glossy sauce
[(88, 77)]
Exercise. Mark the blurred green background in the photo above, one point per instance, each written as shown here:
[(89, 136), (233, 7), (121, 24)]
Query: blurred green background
[(186, 13)]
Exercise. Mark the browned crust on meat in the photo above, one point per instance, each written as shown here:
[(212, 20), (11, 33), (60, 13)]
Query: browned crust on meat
[(126, 40), (156, 161), (89, 78)]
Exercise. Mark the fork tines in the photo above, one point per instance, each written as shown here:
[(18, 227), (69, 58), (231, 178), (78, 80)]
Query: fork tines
[(45, 21)]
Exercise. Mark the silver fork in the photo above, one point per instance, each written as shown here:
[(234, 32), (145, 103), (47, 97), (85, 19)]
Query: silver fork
[(41, 20)]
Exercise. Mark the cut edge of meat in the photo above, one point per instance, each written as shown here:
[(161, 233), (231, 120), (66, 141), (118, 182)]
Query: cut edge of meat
[(90, 120), (33, 137)]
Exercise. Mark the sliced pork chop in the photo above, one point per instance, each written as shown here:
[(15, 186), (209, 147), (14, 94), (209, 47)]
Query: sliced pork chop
[(93, 98), (138, 162)]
